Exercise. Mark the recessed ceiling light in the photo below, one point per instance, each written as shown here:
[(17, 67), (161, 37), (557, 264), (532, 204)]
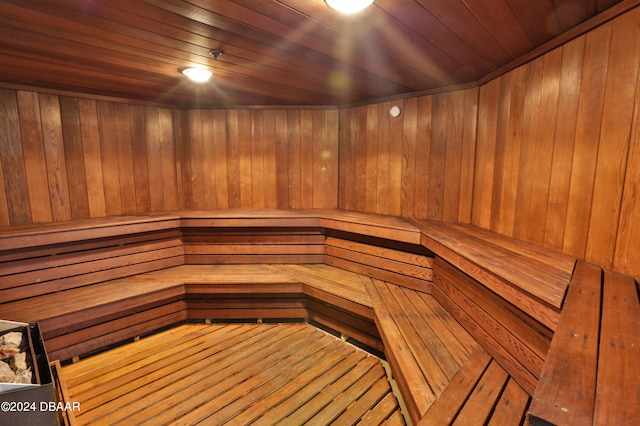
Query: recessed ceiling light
[(199, 75), (349, 6)]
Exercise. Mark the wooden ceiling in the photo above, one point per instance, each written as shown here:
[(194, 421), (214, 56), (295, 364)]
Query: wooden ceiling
[(275, 52)]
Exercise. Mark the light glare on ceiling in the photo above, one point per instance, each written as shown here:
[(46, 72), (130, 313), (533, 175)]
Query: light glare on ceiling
[(349, 6), (199, 75)]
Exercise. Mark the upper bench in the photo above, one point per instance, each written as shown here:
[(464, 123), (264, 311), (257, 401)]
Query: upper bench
[(531, 278)]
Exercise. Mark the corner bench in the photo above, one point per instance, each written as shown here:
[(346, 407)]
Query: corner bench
[(97, 282), (594, 357)]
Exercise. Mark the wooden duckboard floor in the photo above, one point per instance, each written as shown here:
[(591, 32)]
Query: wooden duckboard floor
[(262, 374)]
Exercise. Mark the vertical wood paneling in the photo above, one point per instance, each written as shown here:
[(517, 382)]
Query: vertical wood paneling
[(488, 107), (54, 157), (360, 139), (122, 127), (80, 158), (331, 157), (240, 135), (617, 114), (527, 175), (411, 165), (382, 170), (259, 158), (544, 144), (409, 137), (219, 166), (565, 132), (508, 146), (72, 139), (585, 152), (140, 165), (258, 144), (453, 156), (372, 160), (306, 159), (32, 143), (77, 158), (208, 160), (396, 162), (4, 207), (627, 251), (437, 154), (109, 151), (423, 149), (92, 157), (573, 178), (269, 171), (233, 161), (168, 153), (183, 158), (12, 159), (194, 168), (294, 155), (282, 158), (547, 153), (317, 148), (467, 161), (552, 156), (537, 147)]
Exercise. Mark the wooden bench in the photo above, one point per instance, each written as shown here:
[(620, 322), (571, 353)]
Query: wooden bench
[(424, 345), (65, 276), (84, 319), (95, 283), (532, 278), (591, 373), (508, 294), (373, 245), (481, 392), (335, 298), (251, 236), (86, 281)]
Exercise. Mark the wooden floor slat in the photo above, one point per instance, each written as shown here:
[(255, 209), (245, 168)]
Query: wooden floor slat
[(233, 374)]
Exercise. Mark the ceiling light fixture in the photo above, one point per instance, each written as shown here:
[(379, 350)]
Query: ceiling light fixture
[(349, 6), (199, 75)]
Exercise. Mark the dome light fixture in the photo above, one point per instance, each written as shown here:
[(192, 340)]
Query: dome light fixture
[(199, 75), (349, 6)]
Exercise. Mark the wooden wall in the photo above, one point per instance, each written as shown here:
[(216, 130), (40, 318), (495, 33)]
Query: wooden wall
[(558, 149), (553, 158), (258, 158), (548, 153), (419, 164), (66, 158)]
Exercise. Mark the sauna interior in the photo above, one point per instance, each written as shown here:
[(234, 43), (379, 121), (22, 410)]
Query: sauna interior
[(429, 208)]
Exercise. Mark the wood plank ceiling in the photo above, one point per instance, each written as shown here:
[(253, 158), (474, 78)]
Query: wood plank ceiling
[(275, 52)]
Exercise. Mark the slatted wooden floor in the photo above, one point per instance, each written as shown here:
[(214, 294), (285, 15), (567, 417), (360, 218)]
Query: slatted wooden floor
[(262, 374)]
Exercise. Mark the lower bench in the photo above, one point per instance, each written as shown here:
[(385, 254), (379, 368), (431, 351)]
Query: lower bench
[(481, 392), (81, 320)]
